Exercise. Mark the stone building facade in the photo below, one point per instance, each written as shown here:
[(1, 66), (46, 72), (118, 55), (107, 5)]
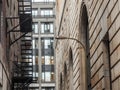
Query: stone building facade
[(8, 8), (94, 64)]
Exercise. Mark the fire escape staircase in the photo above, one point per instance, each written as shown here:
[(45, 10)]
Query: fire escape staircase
[(23, 69)]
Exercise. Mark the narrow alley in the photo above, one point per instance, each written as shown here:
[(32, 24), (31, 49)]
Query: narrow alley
[(59, 44)]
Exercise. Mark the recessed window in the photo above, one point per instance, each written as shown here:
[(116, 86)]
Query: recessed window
[(47, 60), (35, 27), (71, 68), (85, 40), (43, 0), (48, 88), (47, 27), (0, 87), (7, 2), (46, 12), (34, 12), (47, 76), (106, 61)]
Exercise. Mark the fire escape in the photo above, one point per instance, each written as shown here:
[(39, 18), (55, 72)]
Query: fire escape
[(23, 69)]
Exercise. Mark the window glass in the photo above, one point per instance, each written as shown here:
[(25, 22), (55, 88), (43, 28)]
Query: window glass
[(47, 60), (47, 76), (47, 44), (37, 0), (35, 27), (34, 12), (46, 12), (43, 0), (43, 76), (47, 27)]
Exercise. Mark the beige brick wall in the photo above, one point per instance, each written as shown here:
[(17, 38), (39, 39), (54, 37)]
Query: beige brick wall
[(103, 17)]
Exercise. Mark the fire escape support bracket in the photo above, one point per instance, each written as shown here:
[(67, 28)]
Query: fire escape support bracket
[(17, 39), (13, 29)]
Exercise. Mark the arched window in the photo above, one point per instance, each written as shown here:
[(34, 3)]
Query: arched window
[(84, 32), (65, 77), (61, 82), (106, 61), (71, 69)]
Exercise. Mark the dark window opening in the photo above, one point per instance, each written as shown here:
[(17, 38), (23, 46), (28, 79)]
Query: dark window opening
[(65, 76), (7, 2), (85, 40), (61, 81), (71, 68), (106, 61)]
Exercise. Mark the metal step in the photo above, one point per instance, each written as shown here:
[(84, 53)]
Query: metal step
[(26, 40), (26, 53), (26, 57), (24, 5)]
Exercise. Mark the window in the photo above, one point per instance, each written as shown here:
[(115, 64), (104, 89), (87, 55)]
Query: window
[(106, 61), (71, 68), (47, 76), (7, 3), (48, 88), (85, 40), (35, 27), (46, 12), (43, 0), (47, 27), (35, 43), (65, 76), (37, 0), (61, 82), (47, 43), (0, 87), (34, 12), (47, 47), (47, 60)]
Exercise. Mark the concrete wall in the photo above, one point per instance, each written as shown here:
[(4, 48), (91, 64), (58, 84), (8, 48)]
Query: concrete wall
[(103, 21)]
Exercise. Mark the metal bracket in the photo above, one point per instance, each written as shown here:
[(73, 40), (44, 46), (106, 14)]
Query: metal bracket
[(13, 29)]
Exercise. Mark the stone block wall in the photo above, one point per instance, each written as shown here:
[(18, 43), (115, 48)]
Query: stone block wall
[(104, 43)]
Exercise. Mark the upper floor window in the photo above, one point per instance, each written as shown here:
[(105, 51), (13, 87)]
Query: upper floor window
[(47, 27), (37, 0), (34, 12), (43, 0), (35, 27), (46, 12)]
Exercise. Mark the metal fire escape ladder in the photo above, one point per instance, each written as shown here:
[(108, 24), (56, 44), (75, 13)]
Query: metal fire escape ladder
[(23, 70)]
